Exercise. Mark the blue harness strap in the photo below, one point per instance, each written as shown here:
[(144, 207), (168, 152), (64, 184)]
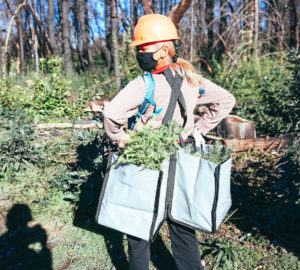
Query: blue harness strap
[(150, 86), (201, 91)]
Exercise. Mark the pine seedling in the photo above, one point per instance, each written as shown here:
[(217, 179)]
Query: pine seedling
[(149, 148), (216, 153)]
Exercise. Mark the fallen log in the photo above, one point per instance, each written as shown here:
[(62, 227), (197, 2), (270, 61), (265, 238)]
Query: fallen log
[(266, 144), (68, 125), (235, 145)]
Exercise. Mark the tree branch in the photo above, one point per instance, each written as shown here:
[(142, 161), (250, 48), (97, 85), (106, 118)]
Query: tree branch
[(178, 11), (147, 7)]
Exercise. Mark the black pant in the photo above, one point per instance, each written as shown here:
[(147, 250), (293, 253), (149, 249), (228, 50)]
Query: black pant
[(184, 246)]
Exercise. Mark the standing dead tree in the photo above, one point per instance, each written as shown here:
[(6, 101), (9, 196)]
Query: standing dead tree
[(176, 12), (179, 10), (14, 18), (114, 32), (37, 36), (51, 10), (67, 38)]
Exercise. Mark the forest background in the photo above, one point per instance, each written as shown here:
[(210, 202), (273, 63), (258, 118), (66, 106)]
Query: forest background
[(56, 57)]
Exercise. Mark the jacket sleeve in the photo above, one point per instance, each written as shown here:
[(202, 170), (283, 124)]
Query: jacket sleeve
[(221, 103), (123, 106)]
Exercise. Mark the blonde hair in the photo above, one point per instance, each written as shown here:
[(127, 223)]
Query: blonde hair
[(184, 68)]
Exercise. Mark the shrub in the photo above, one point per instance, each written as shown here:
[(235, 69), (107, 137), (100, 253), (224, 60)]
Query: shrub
[(48, 95), (52, 93), (277, 110), (240, 77), (85, 160), (17, 141), (287, 210)]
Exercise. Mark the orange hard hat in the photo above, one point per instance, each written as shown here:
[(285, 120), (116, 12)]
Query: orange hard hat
[(153, 28)]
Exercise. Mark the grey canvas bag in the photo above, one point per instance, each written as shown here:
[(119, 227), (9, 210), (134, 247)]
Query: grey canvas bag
[(190, 190), (132, 199), (201, 192)]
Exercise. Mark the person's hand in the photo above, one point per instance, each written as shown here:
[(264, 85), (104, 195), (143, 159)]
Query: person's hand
[(124, 140)]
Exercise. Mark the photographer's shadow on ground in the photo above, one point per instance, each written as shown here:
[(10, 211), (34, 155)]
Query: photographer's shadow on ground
[(22, 246)]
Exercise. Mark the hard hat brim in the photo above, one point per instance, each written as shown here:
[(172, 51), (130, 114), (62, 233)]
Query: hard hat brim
[(140, 42)]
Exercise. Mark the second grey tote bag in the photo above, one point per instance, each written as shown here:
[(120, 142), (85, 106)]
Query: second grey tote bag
[(201, 193)]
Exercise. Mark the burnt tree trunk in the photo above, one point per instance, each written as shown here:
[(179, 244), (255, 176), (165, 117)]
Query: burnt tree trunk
[(256, 33), (166, 4), (114, 31), (154, 6), (178, 11), (87, 30), (135, 11), (21, 44), (84, 43), (67, 38), (147, 7), (1, 64), (294, 38), (209, 17), (51, 23), (107, 21), (223, 25)]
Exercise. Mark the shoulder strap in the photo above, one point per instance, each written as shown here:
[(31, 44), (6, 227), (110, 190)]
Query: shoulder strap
[(150, 86), (176, 96)]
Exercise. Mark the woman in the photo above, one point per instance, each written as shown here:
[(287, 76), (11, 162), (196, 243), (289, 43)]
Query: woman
[(177, 93)]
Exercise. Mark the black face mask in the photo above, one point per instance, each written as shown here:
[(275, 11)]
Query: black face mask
[(146, 61)]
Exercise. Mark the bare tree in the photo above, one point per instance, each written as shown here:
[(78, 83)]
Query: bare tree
[(67, 38), (83, 42), (34, 43), (1, 67), (154, 5), (209, 19), (40, 31), (192, 33), (135, 4), (20, 44), (223, 23), (178, 11), (87, 30), (147, 7), (107, 21), (51, 23), (175, 14), (294, 27), (20, 47), (256, 37), (114, 31)]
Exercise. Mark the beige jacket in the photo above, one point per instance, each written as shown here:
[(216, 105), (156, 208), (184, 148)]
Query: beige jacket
[(128, 100)]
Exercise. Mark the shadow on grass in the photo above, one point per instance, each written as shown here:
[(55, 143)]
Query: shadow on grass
[(266, 192), (87, 206), (23, 247)]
